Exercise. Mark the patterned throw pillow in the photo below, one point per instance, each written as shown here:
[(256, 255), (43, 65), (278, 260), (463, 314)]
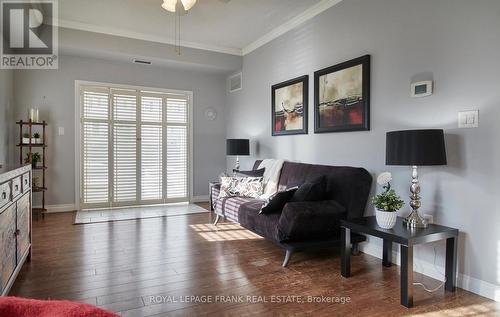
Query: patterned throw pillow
[(241, 186)]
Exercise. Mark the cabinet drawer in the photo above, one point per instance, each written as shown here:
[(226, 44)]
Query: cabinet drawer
[(7, 244), (16, 187), (26, 182), (23, 226), (4, 194)]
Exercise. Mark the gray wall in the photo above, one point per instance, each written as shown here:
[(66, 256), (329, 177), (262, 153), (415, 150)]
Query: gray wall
[(58, 108), (454, 42), (6, 101)]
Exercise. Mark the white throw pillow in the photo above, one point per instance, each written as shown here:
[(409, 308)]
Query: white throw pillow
[(241, 186)]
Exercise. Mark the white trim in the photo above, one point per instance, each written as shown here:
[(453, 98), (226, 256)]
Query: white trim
[(199, 199), (308, 14), (291, 24), (60, 208), (465, 282), (146, 37), (78, 150)]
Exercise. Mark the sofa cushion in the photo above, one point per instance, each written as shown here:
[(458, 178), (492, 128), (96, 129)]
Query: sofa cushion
[(301, 221), (229, 206), (262, 224), (278, 201), (311, 191), (252, 173)]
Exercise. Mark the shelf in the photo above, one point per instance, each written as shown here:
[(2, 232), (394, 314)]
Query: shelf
[(39, 210), (32, 145), (31, 123), (39, 189), (39, 168)]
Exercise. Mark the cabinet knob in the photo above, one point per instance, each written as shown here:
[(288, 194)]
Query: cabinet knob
[(17, 232)]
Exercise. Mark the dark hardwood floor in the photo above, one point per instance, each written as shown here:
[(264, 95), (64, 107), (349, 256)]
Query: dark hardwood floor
[(124, 266)]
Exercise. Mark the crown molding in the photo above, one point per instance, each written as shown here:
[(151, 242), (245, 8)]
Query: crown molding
[(308, 14), (291, 24), (146, 37)]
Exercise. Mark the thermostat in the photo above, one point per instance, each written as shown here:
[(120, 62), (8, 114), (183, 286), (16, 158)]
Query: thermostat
[(421, 88)]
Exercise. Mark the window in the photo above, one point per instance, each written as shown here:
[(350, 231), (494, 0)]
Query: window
[(135, 146)]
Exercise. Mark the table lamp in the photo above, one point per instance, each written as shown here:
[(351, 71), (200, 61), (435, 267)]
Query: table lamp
[(237, 147), (415, 148)]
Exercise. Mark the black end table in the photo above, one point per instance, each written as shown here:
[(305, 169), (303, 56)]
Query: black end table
[(407, 238)]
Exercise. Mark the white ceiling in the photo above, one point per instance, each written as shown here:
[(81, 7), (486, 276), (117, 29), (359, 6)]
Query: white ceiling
[(235, 27)]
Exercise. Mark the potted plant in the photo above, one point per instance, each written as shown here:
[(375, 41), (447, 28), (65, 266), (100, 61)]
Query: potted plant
[(387, 203), (35, 158), (36, 138), (26, 138)]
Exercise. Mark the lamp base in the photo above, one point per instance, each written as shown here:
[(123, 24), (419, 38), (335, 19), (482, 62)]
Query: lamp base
[(415, 221)]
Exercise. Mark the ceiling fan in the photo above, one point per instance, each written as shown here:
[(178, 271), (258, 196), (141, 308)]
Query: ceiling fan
[(181, 6)]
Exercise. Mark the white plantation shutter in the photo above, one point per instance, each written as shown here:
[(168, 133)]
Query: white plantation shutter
[(135, 146), (124, 146), (177, 110), (176, 162), (95, 131), (95, 163), (177, 147), (152, 148)]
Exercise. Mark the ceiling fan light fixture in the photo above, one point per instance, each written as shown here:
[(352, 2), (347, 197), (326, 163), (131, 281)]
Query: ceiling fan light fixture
[(169, 5), (188, 4)]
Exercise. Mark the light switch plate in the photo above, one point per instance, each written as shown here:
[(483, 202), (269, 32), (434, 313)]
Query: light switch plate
[(468, 119), (60, 131)]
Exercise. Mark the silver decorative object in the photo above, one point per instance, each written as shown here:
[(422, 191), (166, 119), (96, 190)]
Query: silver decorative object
[(414, 220)]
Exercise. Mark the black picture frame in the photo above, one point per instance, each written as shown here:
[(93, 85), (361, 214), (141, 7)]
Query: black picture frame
[(364, 125), (305, 101)]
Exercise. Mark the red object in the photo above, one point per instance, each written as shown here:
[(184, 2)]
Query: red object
[(22, 307)]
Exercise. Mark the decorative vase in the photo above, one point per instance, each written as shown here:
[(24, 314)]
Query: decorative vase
[(386, 219)]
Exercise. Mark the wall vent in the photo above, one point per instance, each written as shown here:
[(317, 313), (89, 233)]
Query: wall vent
[(235, 83), (142, 62)]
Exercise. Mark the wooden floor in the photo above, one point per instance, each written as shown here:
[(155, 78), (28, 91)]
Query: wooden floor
[(127, 266)]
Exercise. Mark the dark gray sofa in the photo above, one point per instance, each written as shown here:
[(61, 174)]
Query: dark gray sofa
[(303, 225)]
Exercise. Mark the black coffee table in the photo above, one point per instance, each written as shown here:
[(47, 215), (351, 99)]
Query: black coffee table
[(407, 238)]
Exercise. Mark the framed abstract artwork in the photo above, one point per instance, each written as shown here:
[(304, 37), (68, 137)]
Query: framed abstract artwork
[(289, 106), (342, 97)]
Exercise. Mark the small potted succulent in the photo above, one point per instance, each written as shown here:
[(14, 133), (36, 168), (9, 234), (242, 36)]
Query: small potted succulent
[(36, 138), (35, 158), (26, 138), (387, 203)]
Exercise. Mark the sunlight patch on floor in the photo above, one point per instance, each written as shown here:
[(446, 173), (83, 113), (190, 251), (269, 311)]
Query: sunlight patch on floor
[(223, 232)]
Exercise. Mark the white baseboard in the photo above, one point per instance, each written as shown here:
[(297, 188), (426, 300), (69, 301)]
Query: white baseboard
[(59, 208), (199, 199), (465, 282)]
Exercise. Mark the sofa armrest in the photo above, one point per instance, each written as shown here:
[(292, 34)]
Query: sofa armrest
[(301, 221), (213, 195)]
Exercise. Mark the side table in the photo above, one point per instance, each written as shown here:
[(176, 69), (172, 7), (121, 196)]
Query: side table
[(407, 238)]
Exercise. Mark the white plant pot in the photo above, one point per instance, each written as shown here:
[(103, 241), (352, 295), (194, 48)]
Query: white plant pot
[(37, 141), (386, 219), (26, 140)]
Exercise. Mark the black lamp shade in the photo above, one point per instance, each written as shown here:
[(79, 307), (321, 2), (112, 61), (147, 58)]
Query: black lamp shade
[(237, 147), (415, 147)]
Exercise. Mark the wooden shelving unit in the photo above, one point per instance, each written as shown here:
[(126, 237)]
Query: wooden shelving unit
[(28, 149)]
